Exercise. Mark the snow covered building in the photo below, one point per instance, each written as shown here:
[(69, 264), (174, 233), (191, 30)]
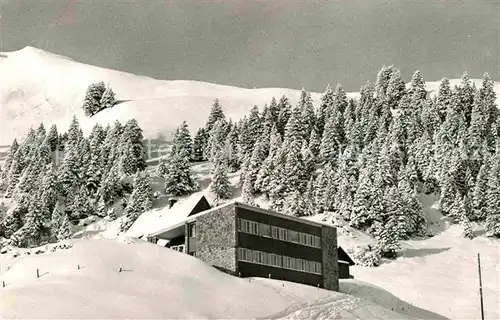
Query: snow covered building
[(248, 241)]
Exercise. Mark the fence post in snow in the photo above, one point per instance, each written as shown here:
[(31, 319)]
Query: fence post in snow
[(3, 284), (78, 267), (120, 270), (480, 285), (37, 273)]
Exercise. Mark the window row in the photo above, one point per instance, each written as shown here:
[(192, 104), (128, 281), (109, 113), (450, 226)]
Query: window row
[(276, 260), (265, 230)]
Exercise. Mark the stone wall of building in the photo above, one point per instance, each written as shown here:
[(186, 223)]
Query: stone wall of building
[(216, 238), (330, 258)]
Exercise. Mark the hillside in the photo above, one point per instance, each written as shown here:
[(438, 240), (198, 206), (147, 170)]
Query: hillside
[(39, 86), (173, 286), (444, 263)]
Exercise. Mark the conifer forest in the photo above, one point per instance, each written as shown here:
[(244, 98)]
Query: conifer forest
[(365, 160)]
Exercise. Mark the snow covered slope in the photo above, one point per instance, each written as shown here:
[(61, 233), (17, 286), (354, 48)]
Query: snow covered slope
[(41, 86), (438, 274), (158, 283)]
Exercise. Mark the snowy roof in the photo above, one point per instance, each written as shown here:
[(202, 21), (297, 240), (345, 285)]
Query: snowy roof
[(154, 221)]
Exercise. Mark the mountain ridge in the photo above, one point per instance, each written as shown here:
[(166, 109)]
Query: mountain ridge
[(40, 86)]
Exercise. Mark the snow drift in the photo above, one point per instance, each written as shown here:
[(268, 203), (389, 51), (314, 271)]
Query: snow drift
[(158, 283)]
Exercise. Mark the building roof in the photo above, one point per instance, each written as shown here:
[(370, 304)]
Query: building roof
[(154, 221), (177, 229), (343, 257)]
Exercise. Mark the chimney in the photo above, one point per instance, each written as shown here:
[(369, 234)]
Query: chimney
[(171, 202)]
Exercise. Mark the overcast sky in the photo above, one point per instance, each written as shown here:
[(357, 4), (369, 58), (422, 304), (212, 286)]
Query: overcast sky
[(265, 44)]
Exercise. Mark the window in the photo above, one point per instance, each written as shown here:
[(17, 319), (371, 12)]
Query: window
[(264, 230), (282, 234), (254, 227), (192, 230), (153, 240), (317, 242), (274, 232), (293, 236), (286, 262)]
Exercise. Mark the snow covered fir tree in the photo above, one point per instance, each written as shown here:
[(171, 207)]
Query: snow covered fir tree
[(364, 160), (96, 175)]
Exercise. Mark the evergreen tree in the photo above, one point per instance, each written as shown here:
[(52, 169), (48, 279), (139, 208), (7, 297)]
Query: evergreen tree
[(141, 200), (70, 169), (383, 77), (254, 125), (296, 204), (231, 150), (332, 140), (198, 143), (53, 138), (324, 110), (460, 212), (49, 194), (56, 218), (8, 164), (93, 96), (493, 196), (215, 115), (263, 181), (294, 168), (13, 221), (367, 201), (308, 117), (278, 187), (309, 197), (178, 177), (31, 232), (111, 187), (479, 201), (79, 205), (320, 186), (395, 89), (309, 163), (465, 98), (108, 99), (15, 172), (274, 112), (256, 160), (65, 231), (443, 99), (395, 213), (75, 133), (340, 99), (220, 186), (294, 129), (314, 143), (216, 139), (127, 161), (133, 132), (387, 240), (284, 113), (247, 191), (245, 139)]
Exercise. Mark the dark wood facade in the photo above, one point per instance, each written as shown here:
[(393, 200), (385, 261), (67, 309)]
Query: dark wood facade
[(201, 206), (344, 262)]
